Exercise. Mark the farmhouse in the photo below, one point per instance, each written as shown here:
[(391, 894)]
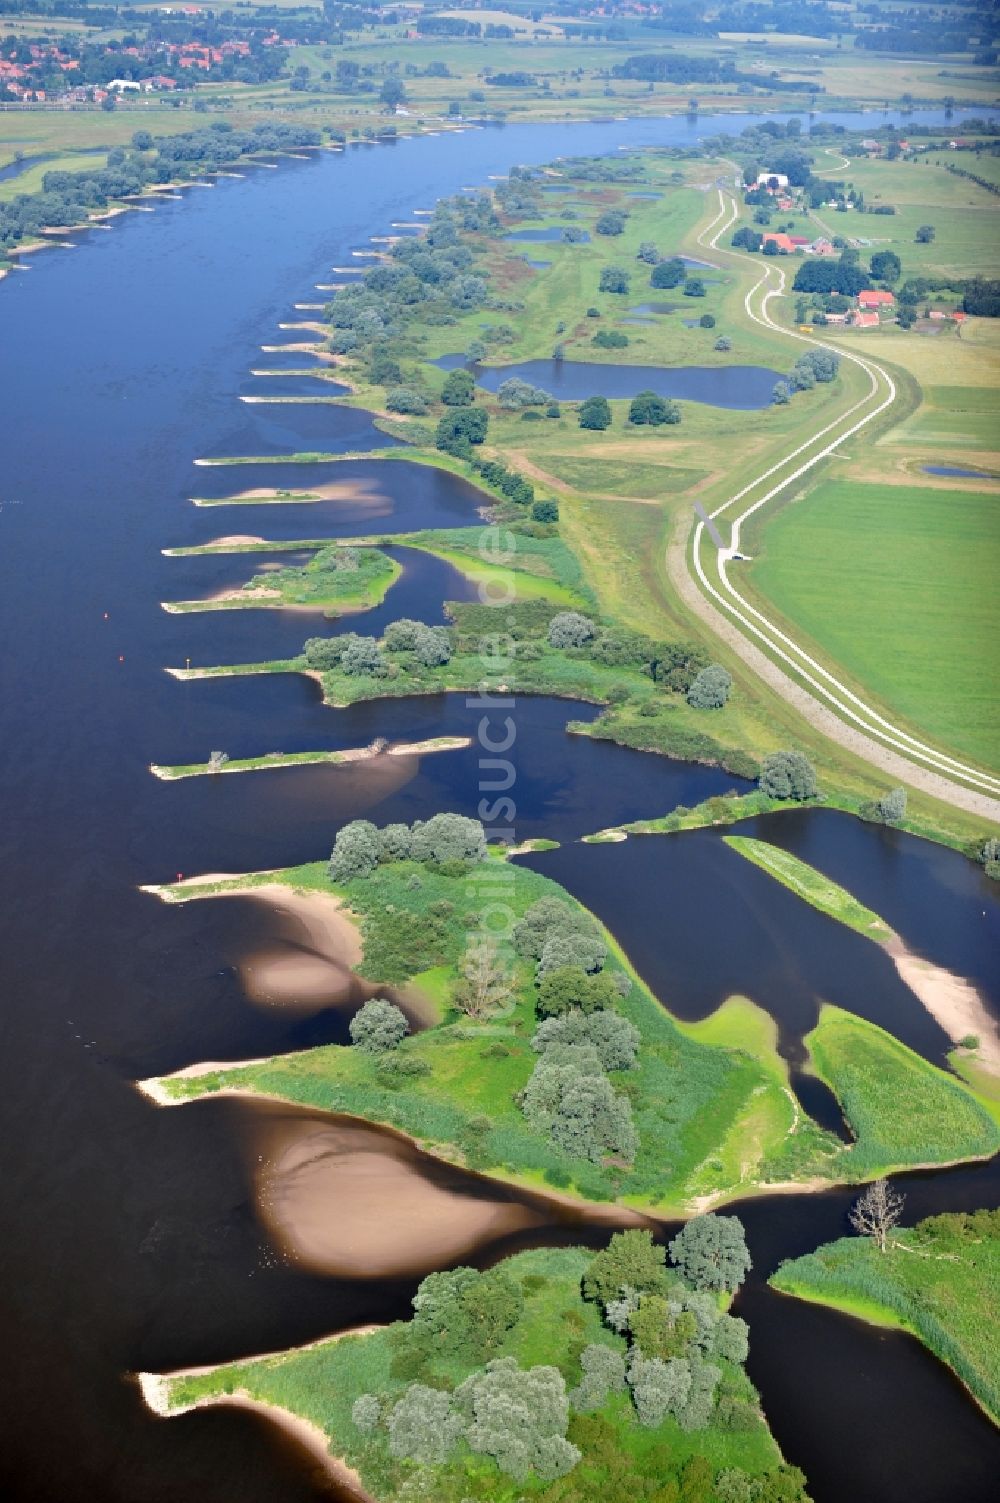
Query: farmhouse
[(875, 298), (865, 321), (822, 247), (771, 180), (783, 242)]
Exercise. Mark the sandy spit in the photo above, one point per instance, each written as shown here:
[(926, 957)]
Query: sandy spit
[(154, 1390), (334, 758), (951, 1001)]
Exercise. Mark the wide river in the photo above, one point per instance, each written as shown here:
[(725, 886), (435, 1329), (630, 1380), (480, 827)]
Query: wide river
[(131, 1238)]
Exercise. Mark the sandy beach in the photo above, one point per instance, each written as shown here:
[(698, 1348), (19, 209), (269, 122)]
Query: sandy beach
[(154, 1388), (351, 1201), (951, 1001)]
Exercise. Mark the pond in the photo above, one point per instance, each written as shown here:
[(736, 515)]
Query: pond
[(737, 387), (551, 232), (956, 471)]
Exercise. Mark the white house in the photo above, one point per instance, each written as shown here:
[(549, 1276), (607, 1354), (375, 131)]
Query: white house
[(124, 84), (769, 179)]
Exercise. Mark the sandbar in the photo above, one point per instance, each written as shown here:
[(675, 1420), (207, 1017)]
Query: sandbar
[(951, 1001)]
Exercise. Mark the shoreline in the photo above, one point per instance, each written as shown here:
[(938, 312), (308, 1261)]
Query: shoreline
[(154, 1390)]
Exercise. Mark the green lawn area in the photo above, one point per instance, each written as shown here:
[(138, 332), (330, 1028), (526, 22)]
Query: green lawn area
[(322, 1382), (902, 1110), (937, 1279), (895, 584)]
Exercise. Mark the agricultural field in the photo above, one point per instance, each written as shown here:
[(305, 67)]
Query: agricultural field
[(936, 1279), (893, 584), (964, 215)]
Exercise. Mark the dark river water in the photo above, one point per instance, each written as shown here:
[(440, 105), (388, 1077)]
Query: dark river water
[(130, 1237)]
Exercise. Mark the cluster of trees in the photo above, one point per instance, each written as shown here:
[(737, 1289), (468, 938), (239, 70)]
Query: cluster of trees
[(459, 431), (815, 366), (514, 394), (710, 689), (446, 842), (518, 1416), (569, 1096), (843, 275), (674, 665), (668, 273), (669, 1346), (611, 222), (434, 277), (890, 809), (788, 774), (595, 414), (610, 339), (988, 856), (982, 297), (671, 1320), (511, 483), (378, 1027), (614, 279), (429, 646), (69, 197), (647, 409)]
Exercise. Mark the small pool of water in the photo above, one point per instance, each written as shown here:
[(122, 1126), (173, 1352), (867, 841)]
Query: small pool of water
[(737, 387), (552, 232), (645, 195), (956, 471), (656, 308)]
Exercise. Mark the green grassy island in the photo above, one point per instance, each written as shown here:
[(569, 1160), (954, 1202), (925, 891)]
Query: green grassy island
[(337, 580), (578, 1410), (937, 1280), (679, 1116)]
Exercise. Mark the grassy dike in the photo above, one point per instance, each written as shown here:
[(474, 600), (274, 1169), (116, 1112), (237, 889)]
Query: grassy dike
[(711, 1103), (322, 1382), (936, 1280)]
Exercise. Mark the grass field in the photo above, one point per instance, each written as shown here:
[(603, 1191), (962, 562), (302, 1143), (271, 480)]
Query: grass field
[(937, 1279), (894, 584), (810, 885), (964, 215), (902, 1110), (323, 1381)]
